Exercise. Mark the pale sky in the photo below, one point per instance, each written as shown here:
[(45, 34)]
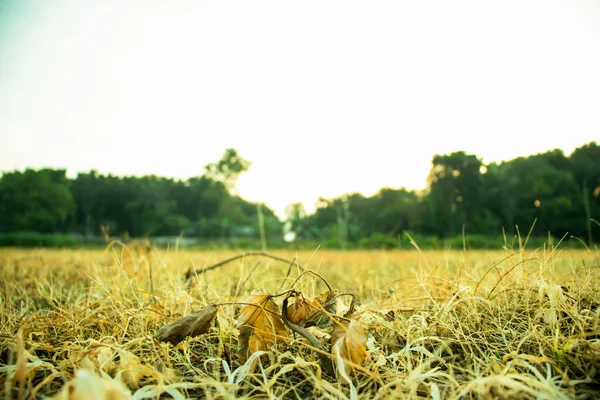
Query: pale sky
[(323, 97)]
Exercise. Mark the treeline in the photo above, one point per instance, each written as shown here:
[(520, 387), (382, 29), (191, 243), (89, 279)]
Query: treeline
[(548, 193), (46, 201)]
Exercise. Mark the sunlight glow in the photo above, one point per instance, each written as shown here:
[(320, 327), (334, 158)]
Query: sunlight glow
[(322, 98)]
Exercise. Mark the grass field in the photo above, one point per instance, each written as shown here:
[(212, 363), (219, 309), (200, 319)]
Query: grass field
[(474, 324)]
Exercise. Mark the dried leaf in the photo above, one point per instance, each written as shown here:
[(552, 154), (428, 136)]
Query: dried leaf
[(259, 328), (101, 358), (318, 317), (298, 312), (349, 341), (323, 297), (88, 385), (193, 324), (132, 370), (244, 343), (98, 357), (339, 330), (166, 375)]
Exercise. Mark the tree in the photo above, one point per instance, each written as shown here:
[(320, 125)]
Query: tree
[(397, 211), (295, 216), (35, 200), (85, 190), (228, 169), (586, 168), (151, 210), (454, 189), (537, 188)]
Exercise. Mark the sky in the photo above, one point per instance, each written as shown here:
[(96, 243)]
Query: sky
[(322, 97)]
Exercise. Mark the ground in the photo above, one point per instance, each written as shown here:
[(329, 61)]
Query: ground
[(440, 324)]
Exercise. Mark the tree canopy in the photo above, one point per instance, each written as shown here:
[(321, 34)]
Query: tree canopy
[(560, 193)]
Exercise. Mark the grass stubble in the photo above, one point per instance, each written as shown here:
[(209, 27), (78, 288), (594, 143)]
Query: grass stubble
[(441, 324)]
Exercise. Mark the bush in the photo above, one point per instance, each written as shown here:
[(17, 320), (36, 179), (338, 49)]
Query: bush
[(378, 241), (375, 241), (34, 239), (473, 242)]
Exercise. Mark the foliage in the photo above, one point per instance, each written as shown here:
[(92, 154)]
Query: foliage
[(543, 194), (35, 239), (228, 169), (378, 241), (47, 201), (35, 200)]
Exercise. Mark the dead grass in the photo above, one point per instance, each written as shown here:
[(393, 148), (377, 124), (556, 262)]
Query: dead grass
[(475, 324)]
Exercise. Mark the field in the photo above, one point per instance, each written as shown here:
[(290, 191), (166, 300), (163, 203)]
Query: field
[(452, 324)]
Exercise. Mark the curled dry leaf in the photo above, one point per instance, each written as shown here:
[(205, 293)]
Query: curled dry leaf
[(193, 324), (324, 297), (317, 317), (298, 312), (98, 357), (88, 385), (133, 371), (165, 374), (102, 358), (349, 341), (259, 328), (107, 360)]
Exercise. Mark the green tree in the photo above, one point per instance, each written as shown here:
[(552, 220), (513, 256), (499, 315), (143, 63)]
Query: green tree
[(586, 168), (86, 190), (35, 200), (295, 220), (454, 184), (397, 211), (228, 169), (537, 188)]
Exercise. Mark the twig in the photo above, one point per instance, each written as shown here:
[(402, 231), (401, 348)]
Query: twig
[(355, 300), (192, 272), (308, 271), (325, 360)]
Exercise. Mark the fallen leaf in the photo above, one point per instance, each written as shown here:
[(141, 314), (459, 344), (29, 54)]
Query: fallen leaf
[(259, 328), (244, 343), (339, 330), (98, 357), (87, 385), (323, 297), (349, 341), (193, 324), (318, 317), (165, 374), (132, 370), (298, 312)]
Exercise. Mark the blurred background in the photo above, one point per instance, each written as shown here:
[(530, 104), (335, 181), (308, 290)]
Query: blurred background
[(266, 124)]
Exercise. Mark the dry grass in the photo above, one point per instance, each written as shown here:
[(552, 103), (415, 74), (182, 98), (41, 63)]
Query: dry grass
[(440, 324)]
